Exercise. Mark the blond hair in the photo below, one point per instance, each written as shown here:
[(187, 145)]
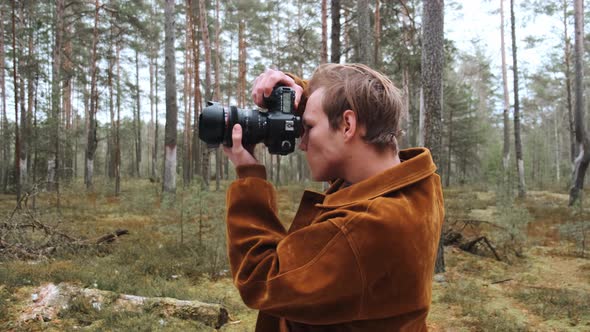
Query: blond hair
[(372, 96)]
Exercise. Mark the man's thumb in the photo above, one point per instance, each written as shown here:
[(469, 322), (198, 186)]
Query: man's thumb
[(236, 136)]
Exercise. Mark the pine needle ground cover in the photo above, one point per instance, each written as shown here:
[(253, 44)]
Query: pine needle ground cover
[(176, 248)]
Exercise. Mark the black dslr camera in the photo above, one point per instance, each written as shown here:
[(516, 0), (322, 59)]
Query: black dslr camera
[(277, 128)]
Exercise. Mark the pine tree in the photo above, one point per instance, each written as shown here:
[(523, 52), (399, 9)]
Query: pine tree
[(169, 178)]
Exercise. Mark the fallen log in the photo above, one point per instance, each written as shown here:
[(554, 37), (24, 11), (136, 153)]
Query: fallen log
[(47, 301)]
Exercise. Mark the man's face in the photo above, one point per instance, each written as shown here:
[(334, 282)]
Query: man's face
[(321, 144)]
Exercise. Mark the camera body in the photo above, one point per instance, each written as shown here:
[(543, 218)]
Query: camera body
[(278, 127)]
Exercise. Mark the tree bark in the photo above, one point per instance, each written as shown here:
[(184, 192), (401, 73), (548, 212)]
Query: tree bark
[(22, 73), (583, 158), (432, 87), (377, 42), (364, 32), (568, 84), (335, 35), (92, 141), (52, 299), (324, 47), (517, 139), (110, 74), (68, 66), (137, 118), (506, 149), (187, 155), (207, 52), (169, 178), (217, 94), (118, 127), (16, 130), (4, 133)]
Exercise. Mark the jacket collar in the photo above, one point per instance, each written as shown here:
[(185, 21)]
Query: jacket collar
[(416, 165)]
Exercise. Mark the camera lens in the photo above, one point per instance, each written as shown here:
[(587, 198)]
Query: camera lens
[(213, 124)]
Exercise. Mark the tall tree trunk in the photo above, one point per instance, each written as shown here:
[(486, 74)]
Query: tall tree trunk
[(583, 158), (154, 46), (92, 141), (53, 163), (506, 150), (197, 145), (4, 132), (156, 123), (324, 48), (217, 94), (187, 155), (16, 130), (432, 87), (377, 34), (364, 32), (68, 67), (112, 139), (517, 139), (169, 178), (207, 52), (118, 126), (568, 83), (557, 149), (335, 35), (137, 118), (22, 73)]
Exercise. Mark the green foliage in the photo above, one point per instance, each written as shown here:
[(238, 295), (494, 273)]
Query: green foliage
[(513, 219)]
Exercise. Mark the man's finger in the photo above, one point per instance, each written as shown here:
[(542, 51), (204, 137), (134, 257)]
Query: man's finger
[(236, 137)]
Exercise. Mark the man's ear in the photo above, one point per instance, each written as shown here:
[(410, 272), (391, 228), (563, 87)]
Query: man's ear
[(349, 124)]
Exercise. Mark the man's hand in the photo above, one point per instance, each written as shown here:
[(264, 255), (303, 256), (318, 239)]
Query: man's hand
[(265, 82), (238, 154)]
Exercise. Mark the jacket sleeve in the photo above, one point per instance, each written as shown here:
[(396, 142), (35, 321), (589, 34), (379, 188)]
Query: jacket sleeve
[(309, 276)]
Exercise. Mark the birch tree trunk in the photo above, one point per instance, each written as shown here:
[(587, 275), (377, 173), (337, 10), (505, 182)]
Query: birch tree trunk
[(432, 88), (169, 178), (506, 149), (568, 83), (517, 139), (583, 158)]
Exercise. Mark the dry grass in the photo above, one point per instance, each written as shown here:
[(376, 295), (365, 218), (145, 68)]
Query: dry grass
[(177, 249)]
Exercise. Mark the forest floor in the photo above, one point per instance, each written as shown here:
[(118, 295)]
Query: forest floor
[(177, 249)]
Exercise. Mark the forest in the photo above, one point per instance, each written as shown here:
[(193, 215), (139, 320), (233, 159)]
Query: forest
[(107, 194)]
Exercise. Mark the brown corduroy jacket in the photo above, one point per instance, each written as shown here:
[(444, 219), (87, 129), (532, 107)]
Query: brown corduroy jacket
[(357, 258)]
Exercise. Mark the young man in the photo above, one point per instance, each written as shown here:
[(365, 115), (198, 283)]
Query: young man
[(359, 257)]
